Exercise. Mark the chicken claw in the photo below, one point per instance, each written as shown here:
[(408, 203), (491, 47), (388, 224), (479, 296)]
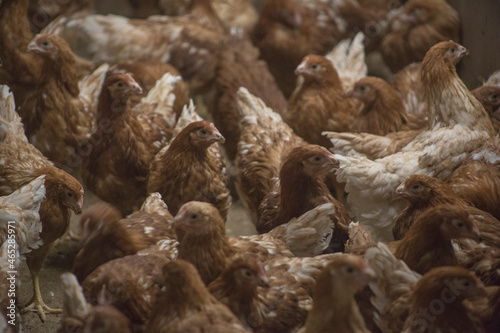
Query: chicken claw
[(36, 304)]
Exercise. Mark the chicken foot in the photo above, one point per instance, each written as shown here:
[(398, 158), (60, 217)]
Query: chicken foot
[(36, 304)]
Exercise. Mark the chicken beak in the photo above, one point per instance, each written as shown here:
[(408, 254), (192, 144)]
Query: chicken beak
[(333, 162), (400, 190), (476, 234), (216, 136), (369, 273), (301, 69), (33, 47), (349, 93), (135, 89)]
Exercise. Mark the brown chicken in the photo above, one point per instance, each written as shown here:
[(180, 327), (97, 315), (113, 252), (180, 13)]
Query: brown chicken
[(317, 104), (288, 30), (42, 12), (428, 242), (188, 170), (107, 236), (334, 303), (477, 180), (187, 306), (264, 141), (239, 66), (424, 192), (58, 102), (79, 316), (458, 125), (206, 246), (408, 85), (124, 143), (414, 28), (276, 295), (21, 164), (406, 302), (301, 188), (383, 110), (489, 96)]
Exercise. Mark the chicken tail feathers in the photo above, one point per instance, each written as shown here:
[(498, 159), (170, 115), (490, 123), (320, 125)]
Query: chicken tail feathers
[(348, 58), (310, 234), (75, 307), (9, 119), (154, 204), (21, 207)]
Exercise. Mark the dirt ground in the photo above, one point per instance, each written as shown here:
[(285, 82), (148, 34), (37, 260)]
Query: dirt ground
[(61, 258)]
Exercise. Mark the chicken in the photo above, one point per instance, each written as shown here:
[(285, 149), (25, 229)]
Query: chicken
[(477, 180), (206, 246), (428, 242), (457, 125), (79, 316), (489, 96), (239, 66), (288, 30), (187, 306), (21, 164), (188, 170), (334, 303), (301, 188), (55, 99), (131, 284), (184, 42), (317, 103), (41, 13), (273, 296), (414, 28), (424, 192), (146, 74), (264, 142), (408, 84), (106, 236), (125, 141), (383, 110), (20, 223), (264, 304), (20, 229), (407, 302)]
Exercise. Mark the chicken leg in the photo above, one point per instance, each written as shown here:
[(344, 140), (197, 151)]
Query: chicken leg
[(35, 260), (36, 304)]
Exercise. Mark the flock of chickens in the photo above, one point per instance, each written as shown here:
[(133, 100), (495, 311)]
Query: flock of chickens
[(376, 200)]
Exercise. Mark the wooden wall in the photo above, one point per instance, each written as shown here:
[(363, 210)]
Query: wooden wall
[(481, 36)]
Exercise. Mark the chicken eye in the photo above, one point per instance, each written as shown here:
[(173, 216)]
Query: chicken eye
[(247, 273), (203, 132), (415, 187), (314, 66), (193, 216), (362, 88), (120, 85), (349, 270), (70, 194), (466, 283), (458, 223), (45, 43), (452, 50)]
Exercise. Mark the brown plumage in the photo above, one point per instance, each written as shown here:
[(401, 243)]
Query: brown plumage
[(428, 242), (424, 192), (22, 163), (489, 96), (334, 303), (301, 188), (383, 111), (146, 74), (317, 104), (459, 284), (239, 66), (107, 236), (206, 246), (122, 146), (187, 306), (288, 30), (477, 181), (188, 170), (417, 26)]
